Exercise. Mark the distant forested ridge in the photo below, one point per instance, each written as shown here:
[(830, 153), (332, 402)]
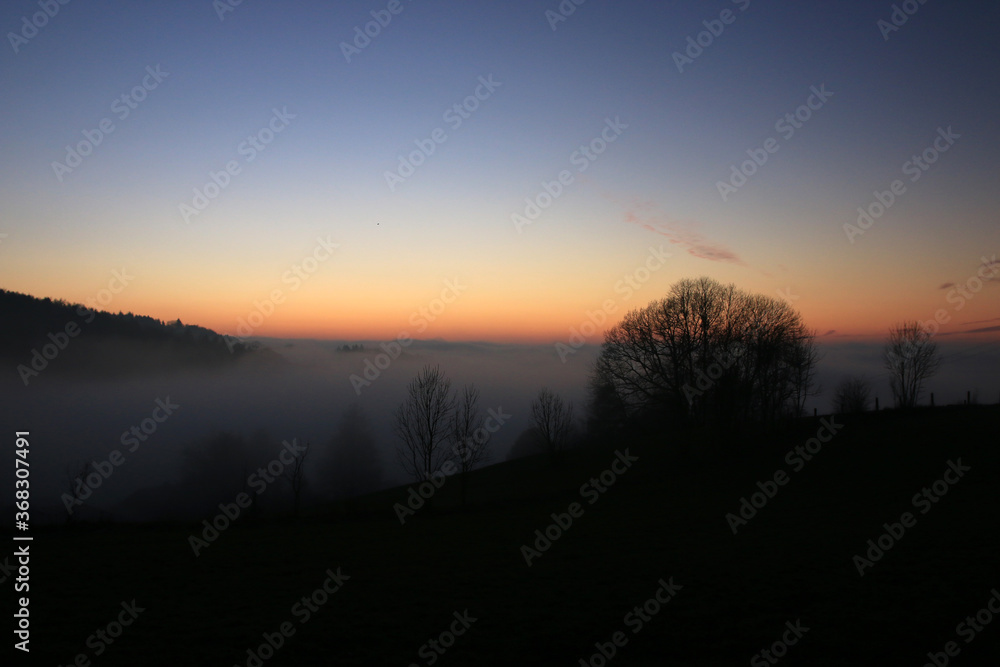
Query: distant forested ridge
[(53, 335)]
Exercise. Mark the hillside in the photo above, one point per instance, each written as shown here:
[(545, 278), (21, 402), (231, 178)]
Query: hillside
[(74, 339), (662, 522)]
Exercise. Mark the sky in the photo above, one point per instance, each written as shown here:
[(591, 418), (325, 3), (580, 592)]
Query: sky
[(506, 172)]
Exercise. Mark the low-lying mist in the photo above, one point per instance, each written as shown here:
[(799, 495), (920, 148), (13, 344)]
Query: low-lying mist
[(199, 434), (303, 399)]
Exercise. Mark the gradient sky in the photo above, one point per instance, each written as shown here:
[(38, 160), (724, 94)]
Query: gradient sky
[(323, 176)]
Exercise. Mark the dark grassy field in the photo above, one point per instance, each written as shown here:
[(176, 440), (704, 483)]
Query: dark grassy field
[(664, 518)]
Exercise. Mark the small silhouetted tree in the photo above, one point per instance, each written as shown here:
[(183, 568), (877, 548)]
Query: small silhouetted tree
[(423, 423), (606, 412), (471, 439), (295, 475), (554, 420), (530, 442), (215, 469), (353, 465), (911, 358), (852, 395)]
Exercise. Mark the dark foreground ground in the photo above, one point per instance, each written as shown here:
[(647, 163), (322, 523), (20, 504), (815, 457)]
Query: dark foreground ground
[(663, 519)]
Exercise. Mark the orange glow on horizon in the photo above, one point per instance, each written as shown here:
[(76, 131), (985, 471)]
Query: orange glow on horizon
[(525, 316)]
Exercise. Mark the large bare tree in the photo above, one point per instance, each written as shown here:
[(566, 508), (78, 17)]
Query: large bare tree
[(708, 351), (423, 423), (911, 358)]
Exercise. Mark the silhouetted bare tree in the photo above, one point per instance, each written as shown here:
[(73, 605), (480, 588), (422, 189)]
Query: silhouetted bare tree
[(295, 475), (708, 351), (471, 439), (423, 423), (852, 395), (911, 358), (554, 420), (803, 357), (606, 411), (528, 443), (216, 469), (352, 464)]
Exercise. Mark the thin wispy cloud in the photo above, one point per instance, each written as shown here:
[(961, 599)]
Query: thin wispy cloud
[(992, 319), (968, 331), (992, 266), (988, 271), (647, 216)]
